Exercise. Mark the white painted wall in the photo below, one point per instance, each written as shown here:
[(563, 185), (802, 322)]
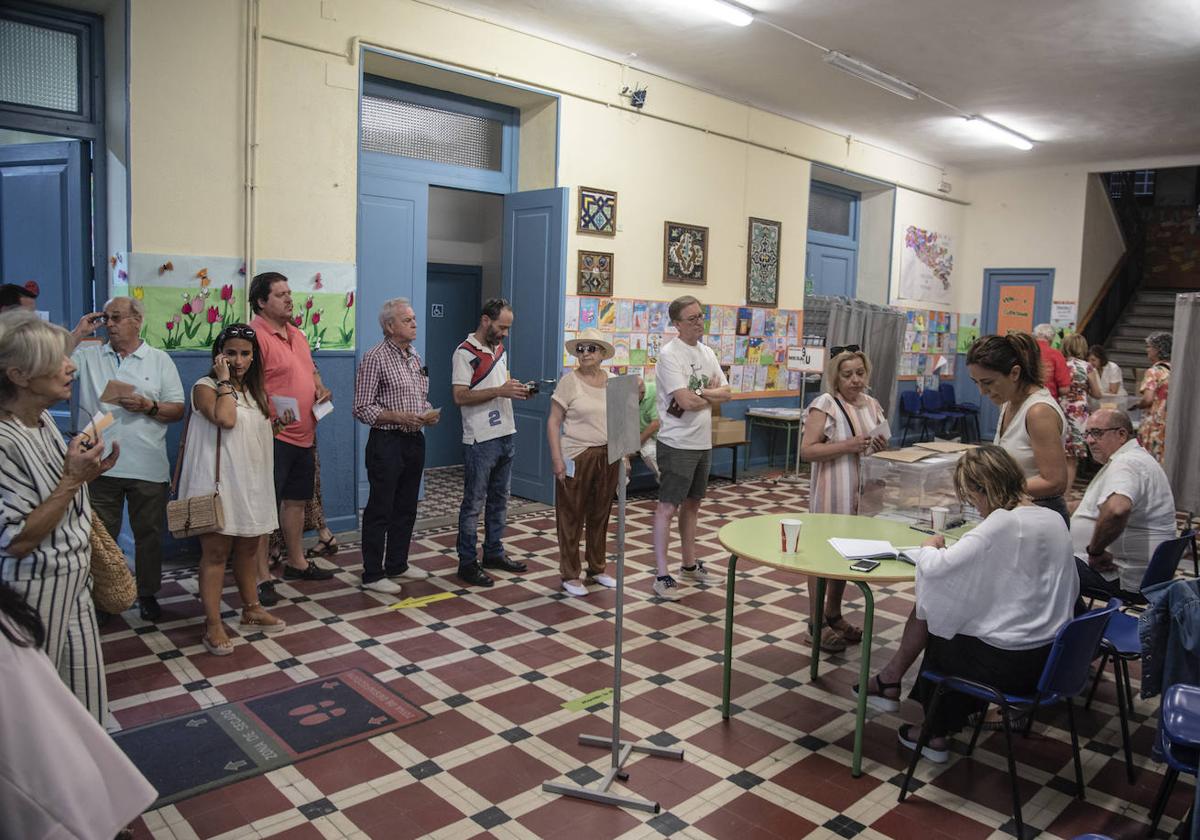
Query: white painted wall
[(1103, 244), (464, 229), (1028, 218)]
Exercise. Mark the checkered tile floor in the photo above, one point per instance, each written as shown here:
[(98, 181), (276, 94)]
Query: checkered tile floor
[(494, 667)]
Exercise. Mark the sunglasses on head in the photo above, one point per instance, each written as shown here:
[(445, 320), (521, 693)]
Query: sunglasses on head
[(237, 331), (848, 348), (587, 348)]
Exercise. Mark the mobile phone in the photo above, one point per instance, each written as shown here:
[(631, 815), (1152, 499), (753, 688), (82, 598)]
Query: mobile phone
[(863, 565)]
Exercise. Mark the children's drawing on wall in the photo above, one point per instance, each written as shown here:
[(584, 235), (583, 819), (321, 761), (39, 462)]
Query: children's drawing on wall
[(926, 266)]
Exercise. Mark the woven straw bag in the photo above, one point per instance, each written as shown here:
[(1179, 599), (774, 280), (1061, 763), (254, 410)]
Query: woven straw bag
[(195, 515), (113, 588)]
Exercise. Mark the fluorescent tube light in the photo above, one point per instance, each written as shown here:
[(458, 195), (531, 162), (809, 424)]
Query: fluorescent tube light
[(728, 12), (994, 131), (871, 74)]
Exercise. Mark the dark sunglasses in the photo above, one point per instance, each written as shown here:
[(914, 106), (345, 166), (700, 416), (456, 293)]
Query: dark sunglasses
[(237, 331), (849, 348), (587, 348)]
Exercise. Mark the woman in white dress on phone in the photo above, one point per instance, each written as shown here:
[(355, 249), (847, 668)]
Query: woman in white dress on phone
[(231, 401)]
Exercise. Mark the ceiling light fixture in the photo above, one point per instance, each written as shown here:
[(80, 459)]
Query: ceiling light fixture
[(874, 75), (729, 12), (996, 131)]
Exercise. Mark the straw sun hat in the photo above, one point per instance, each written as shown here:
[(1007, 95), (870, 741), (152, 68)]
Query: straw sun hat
[(590, 336)]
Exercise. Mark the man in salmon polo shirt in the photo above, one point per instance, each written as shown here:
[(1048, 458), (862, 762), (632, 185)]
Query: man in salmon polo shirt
[(289, 370)]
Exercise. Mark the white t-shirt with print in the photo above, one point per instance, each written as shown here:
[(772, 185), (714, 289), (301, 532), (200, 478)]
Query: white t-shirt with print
[(494, 418), (681, 365)]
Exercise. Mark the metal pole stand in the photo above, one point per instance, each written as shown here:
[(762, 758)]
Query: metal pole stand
[(621, 750), (794, 477)]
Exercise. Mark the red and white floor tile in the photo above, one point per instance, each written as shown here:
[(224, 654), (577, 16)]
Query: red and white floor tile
[(494, 666)]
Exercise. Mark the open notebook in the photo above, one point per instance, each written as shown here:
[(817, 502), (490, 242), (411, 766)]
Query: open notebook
[(872, 550)]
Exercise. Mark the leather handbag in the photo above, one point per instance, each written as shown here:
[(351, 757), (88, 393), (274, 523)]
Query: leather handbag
[(195, 515), (113, 588)]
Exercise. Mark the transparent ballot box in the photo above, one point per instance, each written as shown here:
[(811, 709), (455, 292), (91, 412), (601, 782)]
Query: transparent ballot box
[(909, 489)]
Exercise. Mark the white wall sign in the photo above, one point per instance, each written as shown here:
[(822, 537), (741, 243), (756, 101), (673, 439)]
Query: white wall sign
[(806, 359)]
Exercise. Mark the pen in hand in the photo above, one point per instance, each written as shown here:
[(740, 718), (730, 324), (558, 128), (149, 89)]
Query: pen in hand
[(922, 530)]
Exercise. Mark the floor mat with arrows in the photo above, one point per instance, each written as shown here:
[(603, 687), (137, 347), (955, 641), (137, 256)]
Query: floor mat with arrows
[(183, 756)]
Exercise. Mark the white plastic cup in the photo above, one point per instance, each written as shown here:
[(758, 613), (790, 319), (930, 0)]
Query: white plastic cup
[(789, 535), (938, 515)]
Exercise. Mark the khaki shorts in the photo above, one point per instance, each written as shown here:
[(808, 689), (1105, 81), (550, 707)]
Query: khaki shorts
[(683, 473)]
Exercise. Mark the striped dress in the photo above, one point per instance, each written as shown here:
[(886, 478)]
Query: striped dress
[(55, 578), (835, 483)]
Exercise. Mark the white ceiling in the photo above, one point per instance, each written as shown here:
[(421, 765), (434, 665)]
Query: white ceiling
[(1087, 80)]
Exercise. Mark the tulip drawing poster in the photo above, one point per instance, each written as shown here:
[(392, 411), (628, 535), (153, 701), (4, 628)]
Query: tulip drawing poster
[(925, 266)]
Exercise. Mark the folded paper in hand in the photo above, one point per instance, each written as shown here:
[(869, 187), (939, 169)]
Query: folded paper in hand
[(872, 550), (285, 404), (116, 390), (322, 409)]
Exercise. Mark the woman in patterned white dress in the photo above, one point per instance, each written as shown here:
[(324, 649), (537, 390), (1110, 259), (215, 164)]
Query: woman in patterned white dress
[(1085, 382), (838, 428)]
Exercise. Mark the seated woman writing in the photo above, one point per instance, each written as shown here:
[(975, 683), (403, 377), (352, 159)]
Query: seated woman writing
[(989, 606)]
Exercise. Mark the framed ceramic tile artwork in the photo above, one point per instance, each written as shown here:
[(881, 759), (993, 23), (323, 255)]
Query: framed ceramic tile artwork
[(597, 211), (685, 253), (762, 262), (595, 274)]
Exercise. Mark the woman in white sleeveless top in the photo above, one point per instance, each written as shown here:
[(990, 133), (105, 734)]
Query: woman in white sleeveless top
[(1032, 425)]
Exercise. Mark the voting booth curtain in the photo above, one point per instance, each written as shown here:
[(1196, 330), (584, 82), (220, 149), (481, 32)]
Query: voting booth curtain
[(1181, 459), (879, 331)]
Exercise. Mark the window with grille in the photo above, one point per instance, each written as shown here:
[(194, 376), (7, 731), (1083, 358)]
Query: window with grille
[(830, 212), (40, 66), (1142, 180), (426, 132)]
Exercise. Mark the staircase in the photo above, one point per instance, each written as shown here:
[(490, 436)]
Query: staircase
[(1152, 310)]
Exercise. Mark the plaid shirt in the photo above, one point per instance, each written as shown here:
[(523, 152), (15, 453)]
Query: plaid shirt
[(390, 379)]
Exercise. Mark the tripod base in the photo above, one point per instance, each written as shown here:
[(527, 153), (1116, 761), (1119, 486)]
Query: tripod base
[(601, 793)]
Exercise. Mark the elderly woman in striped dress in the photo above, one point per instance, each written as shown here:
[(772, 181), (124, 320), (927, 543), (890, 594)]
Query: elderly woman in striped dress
[(838, 428), (45, 513)]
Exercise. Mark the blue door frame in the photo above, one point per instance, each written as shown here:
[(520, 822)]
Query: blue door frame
[(1042, 281)]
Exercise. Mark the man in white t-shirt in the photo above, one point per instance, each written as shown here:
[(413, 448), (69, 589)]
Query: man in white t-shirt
[(484, 393), (1127, 510), (689, 382)]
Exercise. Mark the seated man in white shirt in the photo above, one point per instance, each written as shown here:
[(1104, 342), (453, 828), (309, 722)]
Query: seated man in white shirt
[(1127, 511)]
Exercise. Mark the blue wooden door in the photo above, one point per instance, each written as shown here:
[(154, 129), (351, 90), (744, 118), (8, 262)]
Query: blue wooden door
[(534, 274), (452, 311), (1041, 280), (393, 219), (45, 230), (833, 269)]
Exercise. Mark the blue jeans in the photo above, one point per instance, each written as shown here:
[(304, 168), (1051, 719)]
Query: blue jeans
[(487, 470)]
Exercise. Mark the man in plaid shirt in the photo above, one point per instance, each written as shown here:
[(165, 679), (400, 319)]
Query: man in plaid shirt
[(391, 395)]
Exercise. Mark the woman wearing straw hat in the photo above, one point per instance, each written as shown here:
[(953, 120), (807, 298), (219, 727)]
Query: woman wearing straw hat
[(578, 434)]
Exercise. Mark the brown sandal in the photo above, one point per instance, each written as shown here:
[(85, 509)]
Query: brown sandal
[(831, 640), (848, 631), (252, 624)]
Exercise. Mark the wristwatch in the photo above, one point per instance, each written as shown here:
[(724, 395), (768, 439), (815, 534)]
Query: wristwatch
[(699, 392), (153, 408)]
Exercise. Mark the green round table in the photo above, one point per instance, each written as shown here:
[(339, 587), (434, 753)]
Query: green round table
[(756, 538)]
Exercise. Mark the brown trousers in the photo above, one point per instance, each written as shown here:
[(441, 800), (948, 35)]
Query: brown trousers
[(583, 500)]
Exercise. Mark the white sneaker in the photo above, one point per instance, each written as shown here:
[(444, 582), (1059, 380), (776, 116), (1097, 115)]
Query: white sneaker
[(666, 588), (574, 588), (697, 573), (606, 581), (383, 585), (411, 573)]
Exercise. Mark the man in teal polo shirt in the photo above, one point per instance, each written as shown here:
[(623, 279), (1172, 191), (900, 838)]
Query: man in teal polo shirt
[(151, 396)]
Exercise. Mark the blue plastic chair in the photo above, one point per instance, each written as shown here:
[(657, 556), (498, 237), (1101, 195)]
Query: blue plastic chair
[(1179, 739), (931, 403), (1121, 643), (969, 410), (1065, 676), (910, 409)]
